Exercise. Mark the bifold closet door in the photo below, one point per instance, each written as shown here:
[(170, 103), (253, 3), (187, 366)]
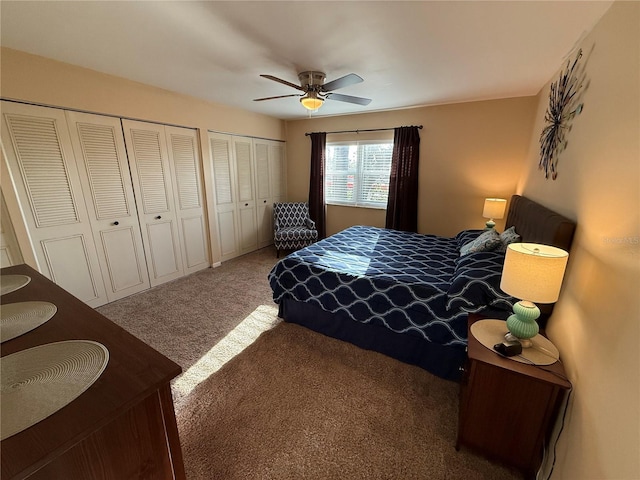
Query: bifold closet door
[(153, 190), (248, 232), (43, 169), (278, 164), (99, 148), (264, 201), (225, 193), (184, 160), (270, 185)]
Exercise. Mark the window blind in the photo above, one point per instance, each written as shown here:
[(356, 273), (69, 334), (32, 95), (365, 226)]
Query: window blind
[(357, 173)]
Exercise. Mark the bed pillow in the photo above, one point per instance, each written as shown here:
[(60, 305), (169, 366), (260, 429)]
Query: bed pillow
[(466, 236), (475, 284), (486, 242), (507, 237)]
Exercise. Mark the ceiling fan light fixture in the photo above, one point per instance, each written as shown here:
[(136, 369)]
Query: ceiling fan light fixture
[(311, 101)]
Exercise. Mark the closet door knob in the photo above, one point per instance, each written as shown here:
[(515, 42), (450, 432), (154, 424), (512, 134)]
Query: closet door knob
[(158, 217), (264, 201), (116, 223), (246, 204)]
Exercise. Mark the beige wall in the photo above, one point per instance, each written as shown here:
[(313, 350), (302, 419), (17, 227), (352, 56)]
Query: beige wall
[(468, 151), (35, 79), (41, 80), (596, 322)]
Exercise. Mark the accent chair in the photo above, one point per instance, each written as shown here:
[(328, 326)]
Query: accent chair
[(292, 226)]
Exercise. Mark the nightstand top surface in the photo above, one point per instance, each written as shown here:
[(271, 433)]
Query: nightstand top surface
[(548, 373)]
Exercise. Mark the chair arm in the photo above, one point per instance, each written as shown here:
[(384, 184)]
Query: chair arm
[(311, 225), (276, 225)]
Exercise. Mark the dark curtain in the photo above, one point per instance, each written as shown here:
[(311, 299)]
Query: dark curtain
[(316, 182), (402, 206)]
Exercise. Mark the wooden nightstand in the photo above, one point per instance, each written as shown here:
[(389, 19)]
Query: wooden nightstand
[(507, 408)]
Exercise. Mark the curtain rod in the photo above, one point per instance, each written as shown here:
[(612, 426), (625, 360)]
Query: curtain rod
[(358, 131)]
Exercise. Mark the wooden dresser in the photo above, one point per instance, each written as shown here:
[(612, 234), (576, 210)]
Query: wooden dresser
[(122, 427)]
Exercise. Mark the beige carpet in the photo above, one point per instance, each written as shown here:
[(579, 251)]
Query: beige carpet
[(294, 404), (298, 405), (185, 318)]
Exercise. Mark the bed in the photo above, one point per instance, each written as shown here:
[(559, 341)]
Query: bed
[(406, 295)]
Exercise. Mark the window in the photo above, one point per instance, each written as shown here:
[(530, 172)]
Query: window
[(357, 173)]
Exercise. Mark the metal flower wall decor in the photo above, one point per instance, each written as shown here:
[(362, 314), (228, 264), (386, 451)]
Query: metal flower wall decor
[(563, 106)]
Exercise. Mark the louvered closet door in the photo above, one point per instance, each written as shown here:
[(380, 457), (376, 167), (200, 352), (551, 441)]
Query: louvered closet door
[(185, 166), (264, 208), (153, 190), (98, 144), (44, 172), (225, 194), (278, 171), (243, 150)]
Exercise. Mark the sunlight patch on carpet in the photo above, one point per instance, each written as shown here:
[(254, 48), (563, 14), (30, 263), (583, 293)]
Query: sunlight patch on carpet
[(260, 320)]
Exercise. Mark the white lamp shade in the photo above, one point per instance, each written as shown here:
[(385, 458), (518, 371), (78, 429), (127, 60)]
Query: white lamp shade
[(533, 272), (494, 208)]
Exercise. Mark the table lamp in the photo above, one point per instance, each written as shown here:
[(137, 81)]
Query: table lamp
[(493, 208), (533, 273)]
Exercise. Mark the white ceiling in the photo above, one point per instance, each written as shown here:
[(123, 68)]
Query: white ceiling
[(409, 53)]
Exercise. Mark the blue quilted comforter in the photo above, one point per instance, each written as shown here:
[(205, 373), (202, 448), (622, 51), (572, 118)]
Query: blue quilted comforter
[(400, 280)]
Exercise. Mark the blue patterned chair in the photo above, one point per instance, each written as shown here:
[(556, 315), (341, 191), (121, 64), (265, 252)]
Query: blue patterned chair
[(292, 227)]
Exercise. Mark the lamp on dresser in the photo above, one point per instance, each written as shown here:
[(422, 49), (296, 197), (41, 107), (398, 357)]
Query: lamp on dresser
[(533, 273), (493, 209)]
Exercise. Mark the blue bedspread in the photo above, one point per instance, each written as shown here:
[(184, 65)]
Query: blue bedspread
[(397, 279)]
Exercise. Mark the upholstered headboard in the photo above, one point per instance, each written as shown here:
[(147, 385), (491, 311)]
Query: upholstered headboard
[(537, 224)]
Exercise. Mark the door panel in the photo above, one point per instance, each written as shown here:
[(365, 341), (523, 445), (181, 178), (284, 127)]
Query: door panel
[(153, 191), (225, 191), (194, 248), (68, 264), (227, 229), (248, 236), (244, 169), (127, 268), (263, 180), (278, 171), (44, 171), (9, 250), (5, 257), (162, 244), (278, 175), (185, 167), (265, 223), (98, 143), (243, 149), (263, 193)]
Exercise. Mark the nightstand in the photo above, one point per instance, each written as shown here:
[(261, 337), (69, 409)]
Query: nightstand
[(507, 408)]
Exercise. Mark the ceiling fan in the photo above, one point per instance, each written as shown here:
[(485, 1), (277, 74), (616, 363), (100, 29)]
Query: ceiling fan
[(315, 91)]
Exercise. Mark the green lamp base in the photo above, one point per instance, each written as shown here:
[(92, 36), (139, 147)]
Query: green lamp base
[(522, 324)]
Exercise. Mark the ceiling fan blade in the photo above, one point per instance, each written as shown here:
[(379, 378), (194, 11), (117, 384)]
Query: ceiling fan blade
[(279, 96), (349, 99), (350, 79), (284, 82)]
